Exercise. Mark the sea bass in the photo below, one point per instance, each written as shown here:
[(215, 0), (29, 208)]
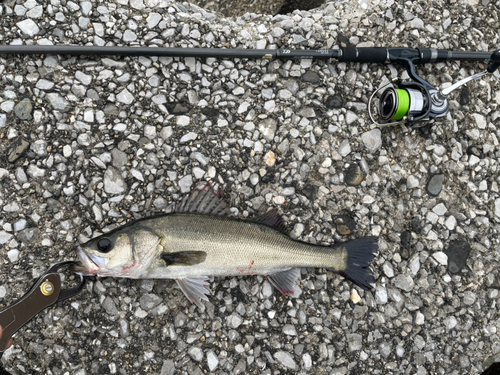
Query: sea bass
[(200, 239)]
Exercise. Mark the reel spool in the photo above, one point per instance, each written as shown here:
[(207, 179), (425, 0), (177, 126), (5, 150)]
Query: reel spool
[(406, 102)]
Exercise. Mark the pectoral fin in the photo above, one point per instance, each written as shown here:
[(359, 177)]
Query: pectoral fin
[(195, 289), (286, 282), (184, 258)]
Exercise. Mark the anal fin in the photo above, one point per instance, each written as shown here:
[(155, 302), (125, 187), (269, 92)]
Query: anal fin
[(195, 289), (286, 282)]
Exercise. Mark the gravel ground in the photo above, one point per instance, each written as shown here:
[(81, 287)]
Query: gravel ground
[(90, 143)]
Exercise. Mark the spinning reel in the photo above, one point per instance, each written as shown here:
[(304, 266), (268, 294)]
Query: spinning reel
[(410, 102)]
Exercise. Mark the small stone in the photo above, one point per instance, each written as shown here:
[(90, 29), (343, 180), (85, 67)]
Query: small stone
[(440, 209), (29, 235), (473, 160), (345, 225), (153, 19), (385, 349), (435, 184), (310, 77), (334, 102), (191, 136), (58, 102), (204, 160), (234, 321), (480, 120), (34, 171), (28, 27), (17, 148), (450, 322), (285, 359), (267, 289), (355, 298), (168, 367), (13, 255), (441, 258), (149, 301), (474, 150), (3, 120), (196, 354), (67, 151), (458, 251), (270, 159), (284, 94), (350, 117), (344, 148), (140, 313), (124, 327), (43, 84), (469, 297), (212, 360), (198, 173), (388, 270), (183, 120), (450, 222), (3, 291), (109, 305), (86, 79), (19, 225), (4, 237), (4, 173), (125, 97), (39, 147), (497, 207), (166, 132), (412, 182), (372, 140), (268, 128), (11, 207), (180, 319), (381, 296), (289, 329), (137, 174), (404, 282), (419, 318), (114, 182), (185, 183), (354, 342), (353, 175), (23, 109), (307, 360), (129, 36)]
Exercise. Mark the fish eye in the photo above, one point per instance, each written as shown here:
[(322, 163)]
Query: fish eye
[(104, 245)]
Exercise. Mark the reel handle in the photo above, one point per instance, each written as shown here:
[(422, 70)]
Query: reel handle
[(495, 58)]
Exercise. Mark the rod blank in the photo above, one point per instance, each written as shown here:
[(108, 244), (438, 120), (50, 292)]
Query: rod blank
[(349, 54)]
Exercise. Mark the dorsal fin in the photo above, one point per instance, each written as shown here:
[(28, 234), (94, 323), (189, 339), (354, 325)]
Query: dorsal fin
[(272, 219), (204, 200)]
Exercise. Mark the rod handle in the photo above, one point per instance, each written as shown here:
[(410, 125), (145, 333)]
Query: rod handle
[(376, 55), (495, 58)]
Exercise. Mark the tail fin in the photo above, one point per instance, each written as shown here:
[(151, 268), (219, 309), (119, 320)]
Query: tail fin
[(359, 254)]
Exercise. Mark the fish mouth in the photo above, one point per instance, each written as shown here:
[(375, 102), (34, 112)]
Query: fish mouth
[(87, 266)]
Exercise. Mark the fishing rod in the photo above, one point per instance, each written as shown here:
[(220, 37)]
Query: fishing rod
[(405, 102)]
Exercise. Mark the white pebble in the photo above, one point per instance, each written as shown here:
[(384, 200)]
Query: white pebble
[(441, 258), (13, 255)]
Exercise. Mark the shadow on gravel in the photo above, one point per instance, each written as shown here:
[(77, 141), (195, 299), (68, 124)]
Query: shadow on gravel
[(494, 369)]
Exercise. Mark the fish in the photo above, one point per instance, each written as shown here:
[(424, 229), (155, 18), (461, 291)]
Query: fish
[(200, 238)]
